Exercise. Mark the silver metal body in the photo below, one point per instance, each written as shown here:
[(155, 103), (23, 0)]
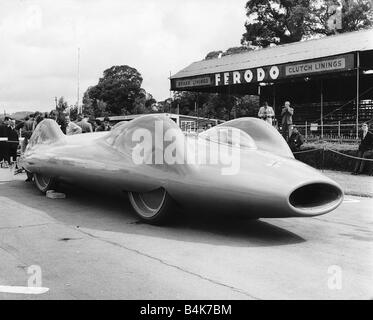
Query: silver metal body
[(269, 181)]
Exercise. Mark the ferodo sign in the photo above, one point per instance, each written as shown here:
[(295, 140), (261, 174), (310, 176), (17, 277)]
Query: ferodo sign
[(247, 76), (268, 73)]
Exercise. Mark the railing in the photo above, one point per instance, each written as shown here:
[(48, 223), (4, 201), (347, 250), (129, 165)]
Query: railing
[(339, 132)]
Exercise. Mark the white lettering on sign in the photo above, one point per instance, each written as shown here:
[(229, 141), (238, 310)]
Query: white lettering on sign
[(226, 78), (260, 74), (217, 79), (236, 77), (274, 72), (319, 66), (248, 75), (193, 82)]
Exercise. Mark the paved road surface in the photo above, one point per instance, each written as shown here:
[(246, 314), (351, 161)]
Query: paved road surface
[(91, 246)]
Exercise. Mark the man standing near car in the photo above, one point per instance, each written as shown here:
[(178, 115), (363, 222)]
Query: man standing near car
[(71, 127), (365, 145), (266, 113), (4, 146), (287, 120), (295, 140), (84, 124)]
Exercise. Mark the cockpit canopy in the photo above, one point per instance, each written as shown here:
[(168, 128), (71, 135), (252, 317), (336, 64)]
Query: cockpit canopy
[(230, 136), (257, 133)]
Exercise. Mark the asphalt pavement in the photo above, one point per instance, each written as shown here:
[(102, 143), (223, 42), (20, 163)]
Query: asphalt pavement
[(92, 246)]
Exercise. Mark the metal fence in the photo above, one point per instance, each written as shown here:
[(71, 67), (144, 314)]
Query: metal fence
[(339, 132)]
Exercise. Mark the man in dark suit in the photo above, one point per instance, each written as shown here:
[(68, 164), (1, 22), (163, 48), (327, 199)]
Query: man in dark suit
[(12, 141), (4, 147), (366, 145)]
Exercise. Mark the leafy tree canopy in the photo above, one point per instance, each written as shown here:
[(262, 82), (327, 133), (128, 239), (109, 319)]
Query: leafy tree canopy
[(233, 50), (118, 92), (211, 105), (285, 21)]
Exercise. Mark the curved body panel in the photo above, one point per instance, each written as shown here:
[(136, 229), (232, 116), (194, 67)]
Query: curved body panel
[(250, 171)]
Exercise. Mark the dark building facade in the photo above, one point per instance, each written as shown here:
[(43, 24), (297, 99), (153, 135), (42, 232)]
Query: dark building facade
[(327, 80)]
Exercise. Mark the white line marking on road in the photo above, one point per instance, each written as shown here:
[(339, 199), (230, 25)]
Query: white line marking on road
[(349, 200), (23, 290)]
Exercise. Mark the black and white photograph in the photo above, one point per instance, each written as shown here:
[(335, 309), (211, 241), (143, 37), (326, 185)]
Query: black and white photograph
[(186, 154)]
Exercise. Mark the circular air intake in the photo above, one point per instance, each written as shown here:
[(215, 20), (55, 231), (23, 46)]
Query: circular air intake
[(315, 196)]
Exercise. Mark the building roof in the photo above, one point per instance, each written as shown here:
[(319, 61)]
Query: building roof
[(299, 51)]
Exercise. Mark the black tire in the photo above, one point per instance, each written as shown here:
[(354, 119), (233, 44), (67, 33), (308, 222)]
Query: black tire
[(44, 183), (154, 207)]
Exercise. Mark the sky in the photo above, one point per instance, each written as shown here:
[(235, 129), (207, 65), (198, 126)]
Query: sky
[(39, 43)]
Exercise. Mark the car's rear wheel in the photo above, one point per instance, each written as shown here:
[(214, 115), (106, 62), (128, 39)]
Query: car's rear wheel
[(154, 206), (43, 182)]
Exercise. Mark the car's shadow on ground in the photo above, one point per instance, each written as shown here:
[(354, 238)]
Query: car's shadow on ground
[(103, 211)]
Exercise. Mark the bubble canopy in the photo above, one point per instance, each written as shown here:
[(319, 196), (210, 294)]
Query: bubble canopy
[(230, 136), (265, 137)]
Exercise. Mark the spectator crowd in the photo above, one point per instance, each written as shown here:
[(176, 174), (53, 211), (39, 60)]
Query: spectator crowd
[(14, 135)]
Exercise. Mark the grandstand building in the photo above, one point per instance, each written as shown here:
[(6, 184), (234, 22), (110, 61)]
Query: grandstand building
[(327, 80)]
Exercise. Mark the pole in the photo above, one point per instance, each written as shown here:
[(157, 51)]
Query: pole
[(306, 133), (78, 76), (197, 113), (170, 94), (322, 109), (357, 93), (274, 100), (55, 100)]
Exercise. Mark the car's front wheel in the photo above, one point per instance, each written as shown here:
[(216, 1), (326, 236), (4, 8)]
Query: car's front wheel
[(43, 182), (154, 207)]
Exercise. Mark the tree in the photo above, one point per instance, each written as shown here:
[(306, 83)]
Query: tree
[(88, 104), (73, 113), (357, 15), (245, 106), (119, 88), (186, 102), (212, 105), (62, 105), (213, 55), (285, 21), (233, 50)]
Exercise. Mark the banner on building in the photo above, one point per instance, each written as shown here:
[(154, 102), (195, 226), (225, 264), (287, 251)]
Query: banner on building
[(267, 73)]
